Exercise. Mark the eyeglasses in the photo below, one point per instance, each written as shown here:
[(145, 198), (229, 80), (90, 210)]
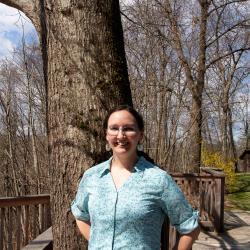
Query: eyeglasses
[(126, 130)]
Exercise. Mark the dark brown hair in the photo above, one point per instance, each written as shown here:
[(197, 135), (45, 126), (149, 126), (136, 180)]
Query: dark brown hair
[(132, 111)]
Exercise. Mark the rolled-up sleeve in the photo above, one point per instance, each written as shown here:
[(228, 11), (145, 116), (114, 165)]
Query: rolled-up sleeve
[(79, 206), (175, 206)]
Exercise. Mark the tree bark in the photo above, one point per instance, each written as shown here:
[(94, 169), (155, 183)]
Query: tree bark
[(86, 72)]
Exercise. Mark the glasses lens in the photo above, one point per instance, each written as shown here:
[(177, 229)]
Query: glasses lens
[(128, 130)]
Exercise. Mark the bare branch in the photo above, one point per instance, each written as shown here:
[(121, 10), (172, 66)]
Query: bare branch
[(228, 30), (128, 18), (29, 7), (224, 4), (177, 44), (226, 55)]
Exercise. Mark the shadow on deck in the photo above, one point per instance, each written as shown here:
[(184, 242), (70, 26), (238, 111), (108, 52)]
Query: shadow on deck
[(236, 235)]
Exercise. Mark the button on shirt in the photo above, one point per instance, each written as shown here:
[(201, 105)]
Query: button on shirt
[(131, 217)]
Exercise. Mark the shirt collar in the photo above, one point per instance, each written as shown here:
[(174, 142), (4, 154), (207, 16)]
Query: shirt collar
[(138, 168), (106, 167)]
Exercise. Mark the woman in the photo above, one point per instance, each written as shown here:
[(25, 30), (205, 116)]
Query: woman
[(121, 203)]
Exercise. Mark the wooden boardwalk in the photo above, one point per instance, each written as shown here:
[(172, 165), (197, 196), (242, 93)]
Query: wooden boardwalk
[(236, 235)]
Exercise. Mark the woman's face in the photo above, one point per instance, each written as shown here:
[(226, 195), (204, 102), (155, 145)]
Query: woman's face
[(123, 133)]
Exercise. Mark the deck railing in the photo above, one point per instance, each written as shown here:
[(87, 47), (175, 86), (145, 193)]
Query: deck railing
[(205, 192), (31, 215), (22, 219)]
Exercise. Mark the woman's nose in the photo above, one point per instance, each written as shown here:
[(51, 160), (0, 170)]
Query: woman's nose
[(121, 133)]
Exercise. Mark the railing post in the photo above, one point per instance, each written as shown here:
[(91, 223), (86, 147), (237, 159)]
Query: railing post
[(26, 225), (1, 227), (10, 228), (18, 241), (219, 204)]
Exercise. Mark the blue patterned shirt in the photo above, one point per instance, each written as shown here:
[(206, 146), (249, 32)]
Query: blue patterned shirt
[(131, 217)]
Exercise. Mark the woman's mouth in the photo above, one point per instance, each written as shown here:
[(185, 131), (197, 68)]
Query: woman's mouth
[(121, 144)]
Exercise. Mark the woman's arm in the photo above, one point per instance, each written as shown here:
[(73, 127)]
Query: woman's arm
[(84, 227), (186, 240)]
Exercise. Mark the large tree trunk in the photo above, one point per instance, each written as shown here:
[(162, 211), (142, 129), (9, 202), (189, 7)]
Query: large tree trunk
[(84, 61)]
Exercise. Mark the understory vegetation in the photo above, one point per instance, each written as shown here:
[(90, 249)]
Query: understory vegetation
[(216, 160)]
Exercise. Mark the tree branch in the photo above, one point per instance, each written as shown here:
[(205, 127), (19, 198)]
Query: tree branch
[(228, 30), (29, 7), (224, 4), (177, 44), (128, 18), (225, 55)]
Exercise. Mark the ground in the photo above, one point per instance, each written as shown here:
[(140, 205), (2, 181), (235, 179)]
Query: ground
[(236, 236)]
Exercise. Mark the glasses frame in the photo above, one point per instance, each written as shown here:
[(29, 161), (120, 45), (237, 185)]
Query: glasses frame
[(115, 130)]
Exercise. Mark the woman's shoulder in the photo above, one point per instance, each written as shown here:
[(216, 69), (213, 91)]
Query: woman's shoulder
[(153, 170)]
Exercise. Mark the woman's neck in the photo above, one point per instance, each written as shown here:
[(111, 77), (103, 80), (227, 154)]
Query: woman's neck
[(124, 163)]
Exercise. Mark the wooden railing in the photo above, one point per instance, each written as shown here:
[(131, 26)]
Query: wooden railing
[(43, 241), (205, 192), (22, 219)]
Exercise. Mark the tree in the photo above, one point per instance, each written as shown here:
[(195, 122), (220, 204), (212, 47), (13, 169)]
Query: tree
[(183, 36), (85, 74)]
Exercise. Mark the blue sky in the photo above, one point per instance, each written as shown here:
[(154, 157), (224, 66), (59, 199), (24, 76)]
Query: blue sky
[(11, 32)]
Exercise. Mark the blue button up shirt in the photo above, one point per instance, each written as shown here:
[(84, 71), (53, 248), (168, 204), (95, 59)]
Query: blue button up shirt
[(131, 217)]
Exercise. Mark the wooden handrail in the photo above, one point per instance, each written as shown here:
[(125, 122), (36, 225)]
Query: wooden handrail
[(24, 200), (204, 191), (43, 241), (208, 175)]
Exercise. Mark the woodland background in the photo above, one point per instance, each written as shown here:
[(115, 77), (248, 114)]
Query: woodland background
[(158, 73)]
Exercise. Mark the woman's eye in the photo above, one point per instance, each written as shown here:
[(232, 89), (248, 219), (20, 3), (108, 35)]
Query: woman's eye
[(128, 129), (114, 128)]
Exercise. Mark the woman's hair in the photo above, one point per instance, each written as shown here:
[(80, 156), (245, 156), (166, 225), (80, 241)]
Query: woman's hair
[(132, 111)]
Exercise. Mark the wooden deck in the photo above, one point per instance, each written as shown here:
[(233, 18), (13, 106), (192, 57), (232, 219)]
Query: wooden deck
[(236, 235)]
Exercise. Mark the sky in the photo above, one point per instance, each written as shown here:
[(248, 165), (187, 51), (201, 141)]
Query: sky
[(11, 32)]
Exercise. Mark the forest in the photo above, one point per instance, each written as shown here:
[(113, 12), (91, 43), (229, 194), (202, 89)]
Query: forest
[(188, 68), (164, 64)]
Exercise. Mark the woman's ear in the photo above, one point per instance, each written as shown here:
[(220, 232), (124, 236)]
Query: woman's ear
[(106, 136), (141, 136)]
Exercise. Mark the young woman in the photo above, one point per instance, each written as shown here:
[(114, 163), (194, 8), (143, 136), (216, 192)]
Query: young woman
[(121, 203)]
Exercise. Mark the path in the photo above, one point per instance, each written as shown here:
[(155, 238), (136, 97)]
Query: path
[(236, 236)]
